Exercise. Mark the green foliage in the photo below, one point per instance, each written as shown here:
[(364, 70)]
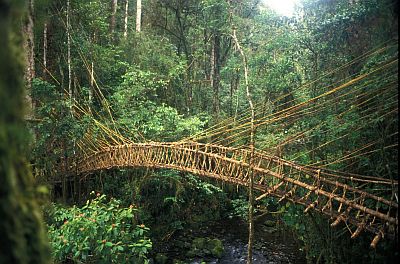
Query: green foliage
[(56, 125), (100, 231), (137, 110), (169, 201), (165, 67), (215, 14), (240, 208)]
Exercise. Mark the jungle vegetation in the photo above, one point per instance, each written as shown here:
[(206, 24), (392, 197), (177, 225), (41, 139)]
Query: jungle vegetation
[(167, 70)]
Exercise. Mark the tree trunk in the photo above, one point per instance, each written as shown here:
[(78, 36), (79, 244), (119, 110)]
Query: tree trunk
[(114, 6), (234, 87), (91, 77), (71, 91), (29, 53), (91, 82), (126, 19), (216, 69), (212, 64), (138, 15), (23, 238), (69, 56), (45, 50)]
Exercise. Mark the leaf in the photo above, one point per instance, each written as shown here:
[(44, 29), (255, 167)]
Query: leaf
[(109, 244)]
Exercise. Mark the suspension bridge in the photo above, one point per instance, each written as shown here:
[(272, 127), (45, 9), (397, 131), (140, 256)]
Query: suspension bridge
[(320, 190), (356, 202)]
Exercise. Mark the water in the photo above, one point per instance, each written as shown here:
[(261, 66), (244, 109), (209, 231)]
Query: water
[(271, 246)]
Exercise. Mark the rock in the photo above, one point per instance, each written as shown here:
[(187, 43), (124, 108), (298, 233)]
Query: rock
[(161, 258), (216, 247), (191, 253), (257, 246), (199, 243), (270, 223), (197, 248), (202, 247)]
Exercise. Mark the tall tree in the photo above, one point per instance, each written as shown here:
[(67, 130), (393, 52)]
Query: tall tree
[(114, 6), (45, 46), (138, 15), (29, 50), (126, 19), (69, 53), (215, 73), (23, 238)]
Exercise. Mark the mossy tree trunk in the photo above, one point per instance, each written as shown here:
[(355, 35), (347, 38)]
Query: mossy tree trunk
[(22, 234)]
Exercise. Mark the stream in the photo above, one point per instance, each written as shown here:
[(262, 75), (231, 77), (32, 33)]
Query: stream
[(272, 245)]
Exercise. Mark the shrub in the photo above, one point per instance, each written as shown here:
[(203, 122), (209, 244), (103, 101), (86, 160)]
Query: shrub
[(100, 231)]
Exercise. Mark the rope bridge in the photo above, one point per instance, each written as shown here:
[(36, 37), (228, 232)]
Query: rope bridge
[(328, 192), (362, 203)]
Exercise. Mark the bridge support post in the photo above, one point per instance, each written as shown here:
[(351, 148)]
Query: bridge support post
[(252, 150)]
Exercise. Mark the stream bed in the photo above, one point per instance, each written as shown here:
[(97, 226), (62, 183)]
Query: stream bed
[(272, 245)]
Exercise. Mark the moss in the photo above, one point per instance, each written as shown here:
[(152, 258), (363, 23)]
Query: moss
[(202, 247), (23, 238), (199, 243), (216, 247)]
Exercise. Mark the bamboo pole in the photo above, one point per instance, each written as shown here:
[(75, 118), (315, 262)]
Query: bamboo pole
[(252, 150)]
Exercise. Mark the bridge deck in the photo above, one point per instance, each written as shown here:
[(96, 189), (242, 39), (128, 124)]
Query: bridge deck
[(343, 198)]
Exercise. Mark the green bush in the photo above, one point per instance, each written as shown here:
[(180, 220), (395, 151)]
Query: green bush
[(240, 208), (100, 232)]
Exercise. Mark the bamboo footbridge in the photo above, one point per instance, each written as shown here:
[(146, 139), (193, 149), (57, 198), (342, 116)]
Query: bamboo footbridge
[(355, 202), (331, 193)]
